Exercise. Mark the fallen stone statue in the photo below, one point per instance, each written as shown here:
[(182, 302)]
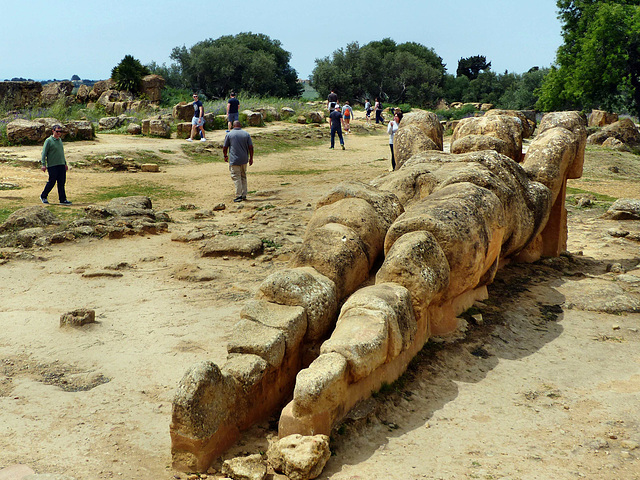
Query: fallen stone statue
[(436, 230)]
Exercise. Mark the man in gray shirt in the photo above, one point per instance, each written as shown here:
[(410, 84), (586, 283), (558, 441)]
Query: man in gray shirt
[(238, 152)]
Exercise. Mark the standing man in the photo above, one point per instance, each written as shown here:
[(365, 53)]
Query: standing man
[(197, 122), (332, 101), (336, 126), (240, 148), (347, 115), (54, 161), (232, 111)]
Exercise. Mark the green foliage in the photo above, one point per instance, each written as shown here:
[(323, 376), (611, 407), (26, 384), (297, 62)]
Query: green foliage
[(250, 62), (457, 113), (598, 65), (147, 189), (128, 74), (395, 73), (471, 67)]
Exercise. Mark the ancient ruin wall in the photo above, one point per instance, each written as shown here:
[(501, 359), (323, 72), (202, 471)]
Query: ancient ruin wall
[(455, 220)]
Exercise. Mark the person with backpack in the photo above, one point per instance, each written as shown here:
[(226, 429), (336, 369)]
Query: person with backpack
[(367, 110), (378, 108), (347, 115)]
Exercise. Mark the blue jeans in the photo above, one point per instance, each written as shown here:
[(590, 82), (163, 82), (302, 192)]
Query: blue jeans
[(337, 130)]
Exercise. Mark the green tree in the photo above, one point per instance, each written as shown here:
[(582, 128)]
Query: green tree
[(598, 65), (471, 67), (404, 73), (128, 74), (250, 62)]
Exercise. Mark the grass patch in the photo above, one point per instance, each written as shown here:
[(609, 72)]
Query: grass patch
[(203, 153), (311, 171), (137, 156), (598, 196), (265, 207), (150, 190), (4, 214), (266, 243), (164, 150), (265, 144)]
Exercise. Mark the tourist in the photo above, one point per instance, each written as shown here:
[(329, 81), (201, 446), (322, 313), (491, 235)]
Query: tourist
[(367, 109), (197, 122), (53, 160), (332, 101), (336, 126), (347, 115), (392, 128), (233, 106), (239, 147), (378, 108)]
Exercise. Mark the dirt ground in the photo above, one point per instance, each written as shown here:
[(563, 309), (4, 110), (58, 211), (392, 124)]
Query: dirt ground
[(545, 385)]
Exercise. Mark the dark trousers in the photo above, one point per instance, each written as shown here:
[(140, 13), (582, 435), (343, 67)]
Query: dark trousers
[(337, 130), (393, 158), (379, 118), (57, 174)]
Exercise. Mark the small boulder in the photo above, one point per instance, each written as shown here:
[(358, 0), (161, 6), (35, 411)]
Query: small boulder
[(300, 457), (78, 318)]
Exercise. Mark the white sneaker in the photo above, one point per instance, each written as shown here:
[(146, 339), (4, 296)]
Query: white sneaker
[(203, 139), (189, 139)]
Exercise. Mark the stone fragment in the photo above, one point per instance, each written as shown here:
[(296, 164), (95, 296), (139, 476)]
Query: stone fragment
[(300, 457), (78, 318), (250, 467)]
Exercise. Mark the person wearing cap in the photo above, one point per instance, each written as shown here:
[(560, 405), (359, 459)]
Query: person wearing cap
[(197, 122), (55, 163), (233, 106)]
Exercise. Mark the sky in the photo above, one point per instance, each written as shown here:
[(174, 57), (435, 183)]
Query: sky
[(58, 39)]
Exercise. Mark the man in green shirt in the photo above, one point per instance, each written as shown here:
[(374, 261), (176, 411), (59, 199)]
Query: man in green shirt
[(53, 160)]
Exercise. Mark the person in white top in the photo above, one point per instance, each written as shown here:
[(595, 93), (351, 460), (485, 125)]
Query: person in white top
[(392, 128)]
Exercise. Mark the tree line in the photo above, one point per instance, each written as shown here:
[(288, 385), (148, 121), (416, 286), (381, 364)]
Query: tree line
[(597, 66)]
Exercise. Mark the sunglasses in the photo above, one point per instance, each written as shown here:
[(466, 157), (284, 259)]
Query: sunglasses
[(57, 131)]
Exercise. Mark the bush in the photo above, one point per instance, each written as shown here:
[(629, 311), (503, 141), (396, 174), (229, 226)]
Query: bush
[(128, 74)]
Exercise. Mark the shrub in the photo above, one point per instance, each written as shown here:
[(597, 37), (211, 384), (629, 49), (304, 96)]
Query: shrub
[(128, 74)]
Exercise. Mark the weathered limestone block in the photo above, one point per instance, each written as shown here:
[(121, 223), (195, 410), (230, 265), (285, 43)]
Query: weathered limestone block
[(504, 127), (286, 112), (322, 386), (83, 129), (313, 117), (29, 217), (78, 318), (624, 130), (254, 119), (247, 369), (269, 112), (300, 457), (417, 262), (337, 252), (158, 128), (152, 86), (385, 203), (291, 320), (307, 288), (468, 224), (408, 141), (17, 95), (183, 111), (246, 245), (21, 131), (600, 118), (362, 337), (53, 91), (428, 122), (477, 143), (108, 123), (258, 339), (201, 408), (250, 467), (358, 215), (99, 88), (183, 130), (624, 209), (528, 125)]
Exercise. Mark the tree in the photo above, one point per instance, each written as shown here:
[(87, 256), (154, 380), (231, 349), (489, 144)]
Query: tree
[(404, 73), (249, 62), (471, 67), (75, 78), (598, 65), (128, 74)]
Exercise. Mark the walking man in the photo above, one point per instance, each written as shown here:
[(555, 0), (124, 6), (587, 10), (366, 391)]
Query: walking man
[(197, 122), (232, 111), (336, 126), (332, 101), (53, 160), (238, 152)]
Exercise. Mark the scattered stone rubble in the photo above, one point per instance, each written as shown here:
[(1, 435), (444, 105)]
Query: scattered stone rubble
[(441, 223)]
